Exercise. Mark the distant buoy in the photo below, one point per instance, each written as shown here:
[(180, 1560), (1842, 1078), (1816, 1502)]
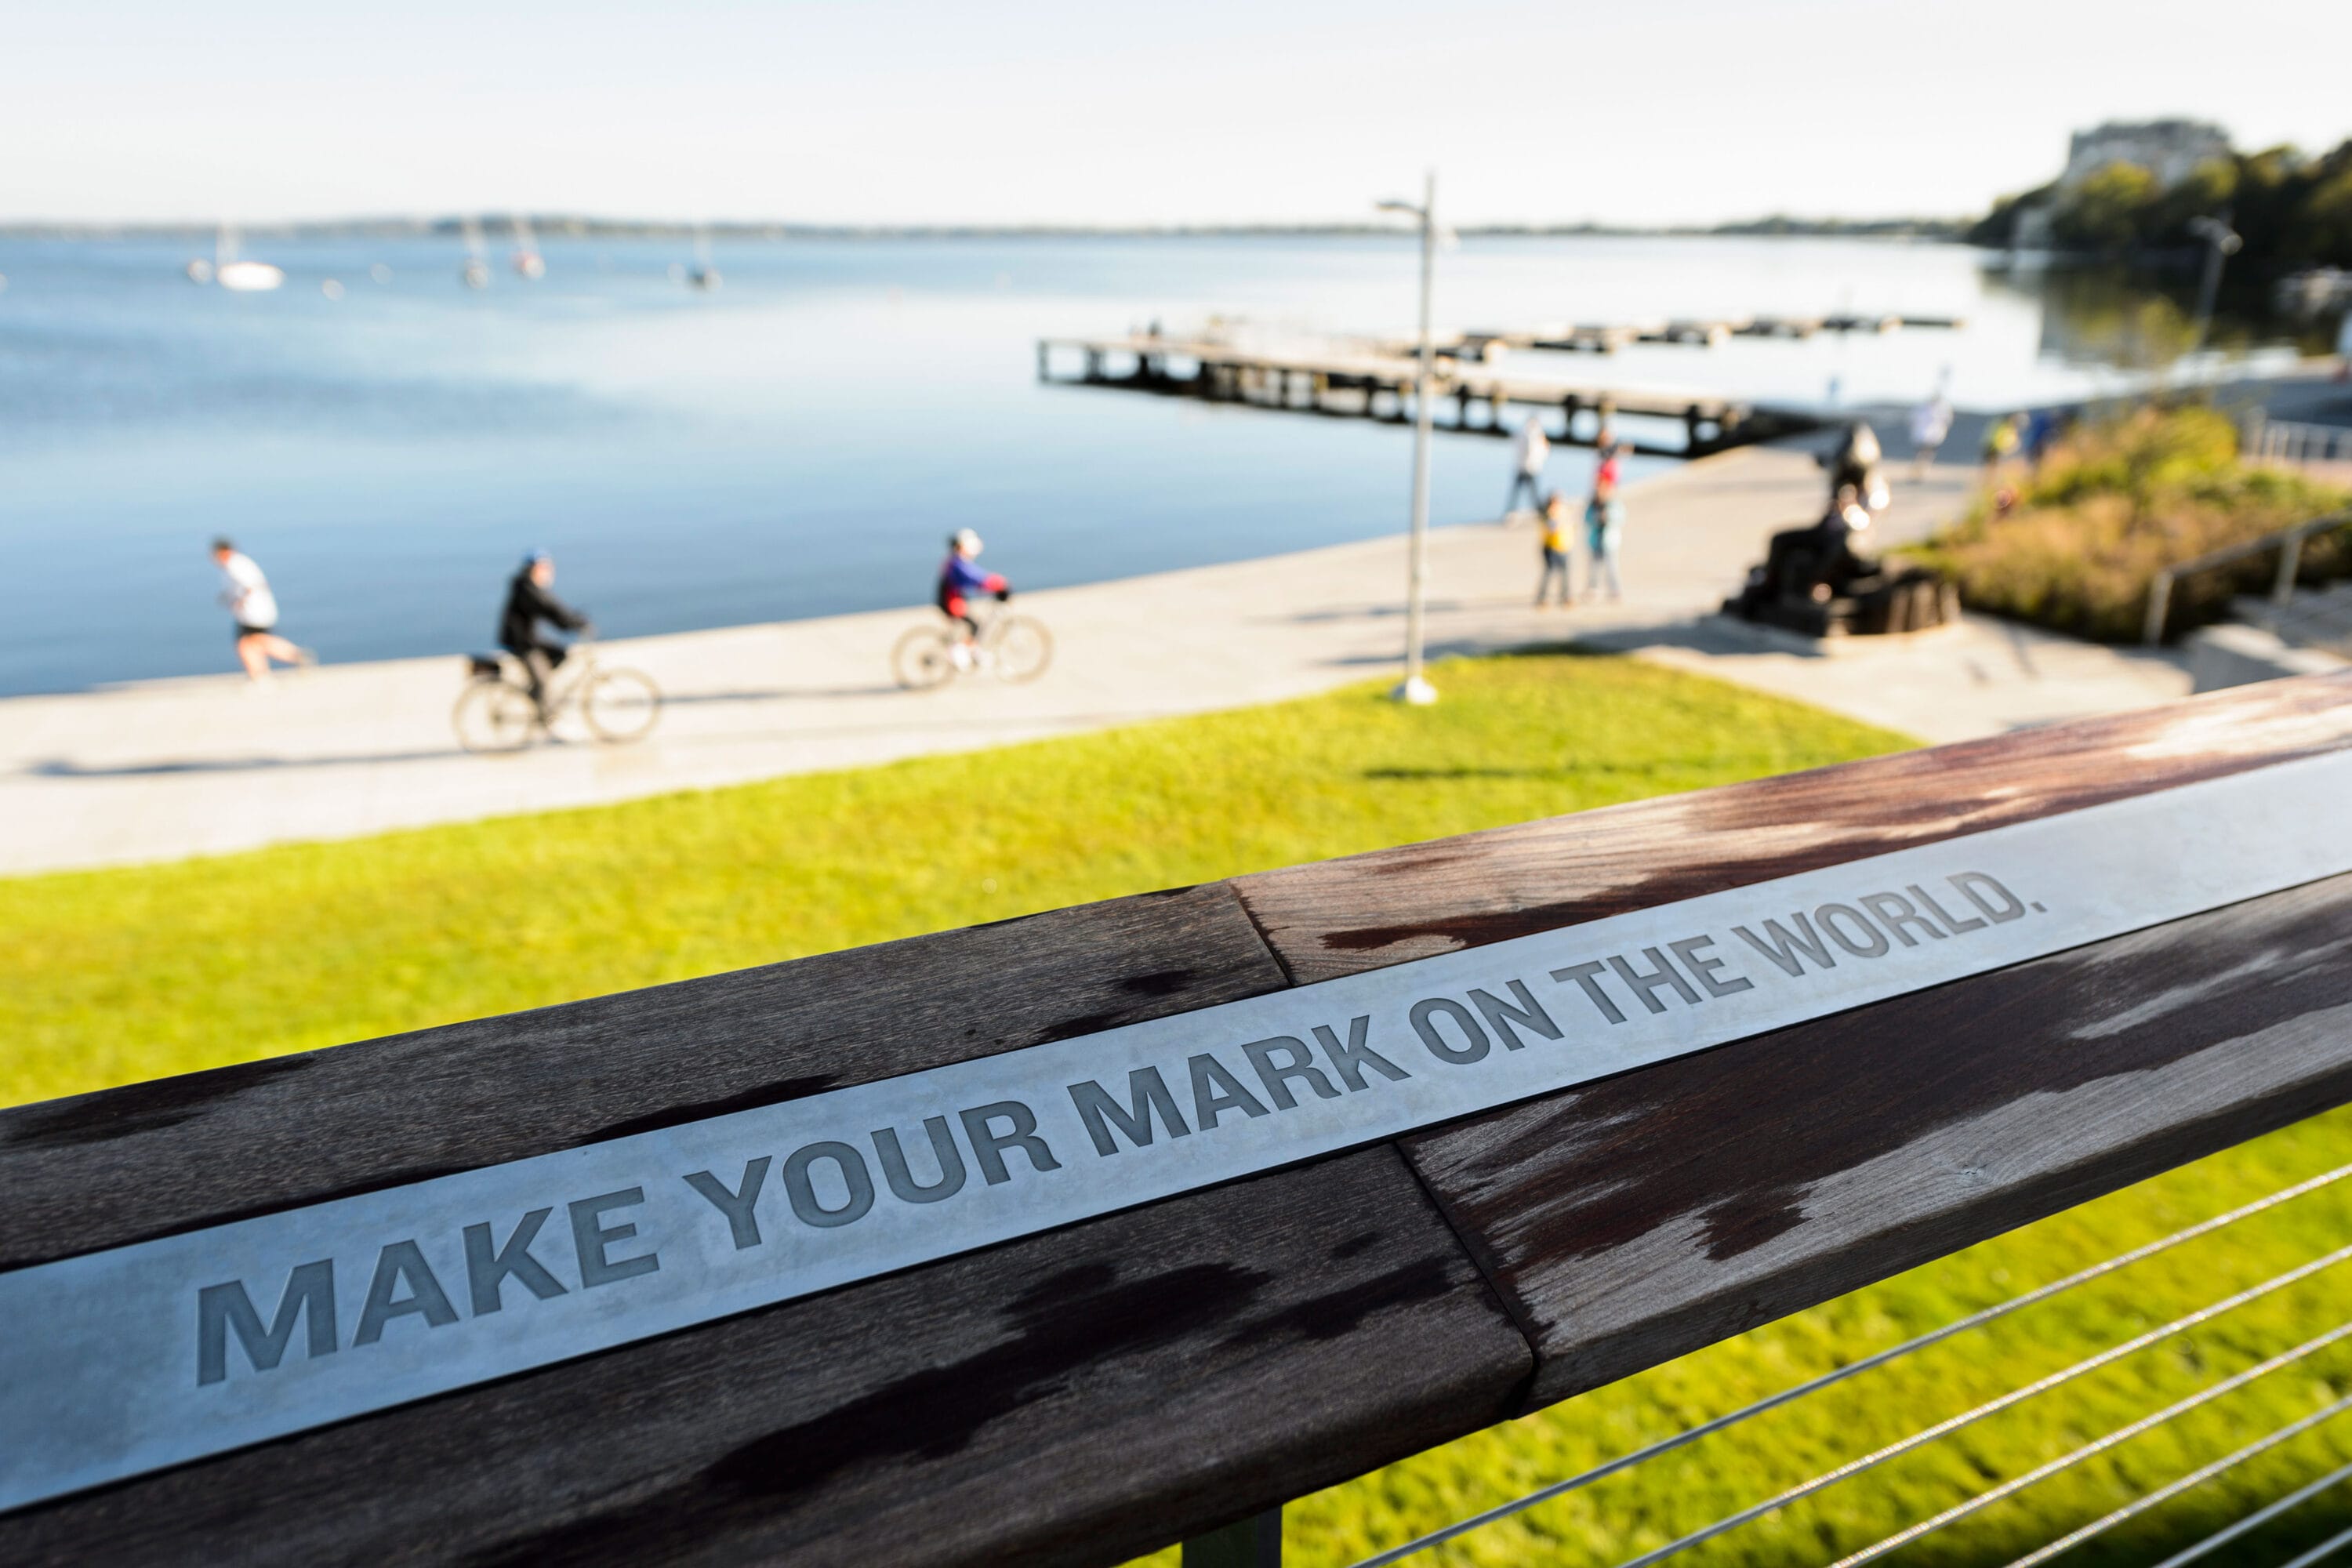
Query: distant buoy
[(705, 278), (380, 273), (199, 270), (331, 289), (249, 277), (477, 273), (529, 264)]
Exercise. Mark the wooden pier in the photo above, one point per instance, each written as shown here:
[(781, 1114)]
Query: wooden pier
[(1694, 332), (1376, 383)]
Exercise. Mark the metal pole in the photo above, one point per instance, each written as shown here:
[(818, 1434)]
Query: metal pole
[(1253, 1542), (2209, 289), (2221, 242), (1414, 689)]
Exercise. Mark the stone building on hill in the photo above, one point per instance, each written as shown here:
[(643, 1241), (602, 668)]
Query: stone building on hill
[(2169, 149)]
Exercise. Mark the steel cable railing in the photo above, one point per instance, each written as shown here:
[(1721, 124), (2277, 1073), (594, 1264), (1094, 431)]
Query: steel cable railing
[(2257, 1519), (1952, 1424), (2173, 1489), (2334, 1543), (2091, 1449), (1880, 1358)]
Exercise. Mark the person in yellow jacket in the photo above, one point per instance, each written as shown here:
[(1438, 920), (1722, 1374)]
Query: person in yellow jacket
[(1554, 536)]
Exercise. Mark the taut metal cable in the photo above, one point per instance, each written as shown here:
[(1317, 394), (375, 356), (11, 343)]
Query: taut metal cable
[(2334, 1543), (2017, 1395), (2257, 1519), (2098, 1446), (2171, 1489), (1880, 1358)]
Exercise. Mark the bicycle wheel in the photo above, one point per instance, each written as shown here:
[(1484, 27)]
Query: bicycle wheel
[(493, 716), (1023, 649), (621, 704), (921, 660)]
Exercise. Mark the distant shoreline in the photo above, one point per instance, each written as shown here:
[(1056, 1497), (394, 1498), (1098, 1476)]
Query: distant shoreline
[(498, 228)]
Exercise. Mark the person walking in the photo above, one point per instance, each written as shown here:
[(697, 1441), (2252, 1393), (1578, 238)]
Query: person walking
[(1609, 451), (1604, 527), (1930, 423), (254, 608), (1999, 445), (529, 602), (1555, 552), (1532, 449)]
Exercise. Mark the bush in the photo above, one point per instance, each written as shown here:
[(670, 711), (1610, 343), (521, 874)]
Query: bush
[(2117, 502)]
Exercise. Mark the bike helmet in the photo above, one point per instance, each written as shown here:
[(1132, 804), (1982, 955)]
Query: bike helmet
[(531, 558), (964, 538)]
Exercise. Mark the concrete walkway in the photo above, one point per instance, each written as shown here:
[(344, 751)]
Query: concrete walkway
[(165, 769)]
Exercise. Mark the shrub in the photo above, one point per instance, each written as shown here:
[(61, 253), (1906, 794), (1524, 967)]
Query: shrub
[(2117, 502)]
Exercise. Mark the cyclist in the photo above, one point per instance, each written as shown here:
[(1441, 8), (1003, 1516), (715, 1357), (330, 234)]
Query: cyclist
[(528, 604), (958, 579)]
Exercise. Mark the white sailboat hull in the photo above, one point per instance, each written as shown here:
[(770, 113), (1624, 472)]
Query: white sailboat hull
[(249, 276)]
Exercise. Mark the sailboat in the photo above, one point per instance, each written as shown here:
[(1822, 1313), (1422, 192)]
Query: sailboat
[(225, 269), (528, 263), (476, 273), (702, 274)]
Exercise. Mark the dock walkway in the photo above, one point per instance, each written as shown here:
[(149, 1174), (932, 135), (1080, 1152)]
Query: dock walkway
[(170, 768), (1374, 381)]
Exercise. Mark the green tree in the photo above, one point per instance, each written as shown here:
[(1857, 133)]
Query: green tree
[(2109, 212), (2323, 224)]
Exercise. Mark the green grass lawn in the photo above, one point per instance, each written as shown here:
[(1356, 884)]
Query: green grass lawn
[(111, 976)]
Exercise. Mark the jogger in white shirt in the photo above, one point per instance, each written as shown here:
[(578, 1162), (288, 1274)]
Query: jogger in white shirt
[(254, 607), (1532, 448)]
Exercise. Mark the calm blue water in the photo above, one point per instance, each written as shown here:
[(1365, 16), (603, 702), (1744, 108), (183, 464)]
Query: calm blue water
[(794, 444)]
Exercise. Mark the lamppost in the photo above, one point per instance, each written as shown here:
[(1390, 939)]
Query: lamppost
[(1415, 687), (2221, 241)]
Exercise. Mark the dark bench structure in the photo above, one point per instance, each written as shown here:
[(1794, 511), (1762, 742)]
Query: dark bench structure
[(1083, 1396)]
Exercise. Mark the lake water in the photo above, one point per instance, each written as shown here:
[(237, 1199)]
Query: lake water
[(798, 442)]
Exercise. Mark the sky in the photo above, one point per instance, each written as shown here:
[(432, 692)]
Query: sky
[(1114, 113)]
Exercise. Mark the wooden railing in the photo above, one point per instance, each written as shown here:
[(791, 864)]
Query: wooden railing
[(1174, 1372)]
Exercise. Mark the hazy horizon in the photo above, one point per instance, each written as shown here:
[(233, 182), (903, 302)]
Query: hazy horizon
[(919, 113)]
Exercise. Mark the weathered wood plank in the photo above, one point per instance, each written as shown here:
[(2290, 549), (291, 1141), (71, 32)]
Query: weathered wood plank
[(1640, 1219), (1341, 917), (1078, 1397), (101, 1170)]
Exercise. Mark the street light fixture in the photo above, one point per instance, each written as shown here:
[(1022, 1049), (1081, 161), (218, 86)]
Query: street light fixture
[(1415, 688), (2221, 241)]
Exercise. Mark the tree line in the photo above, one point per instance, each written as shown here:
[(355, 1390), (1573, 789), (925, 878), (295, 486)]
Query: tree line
[(2290, 209)]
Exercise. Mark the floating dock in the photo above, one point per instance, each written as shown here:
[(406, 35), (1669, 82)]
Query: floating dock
[(1375, 382), (1696, 331)]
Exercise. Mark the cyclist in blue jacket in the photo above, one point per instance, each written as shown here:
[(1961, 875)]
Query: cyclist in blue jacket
[(959, 579)]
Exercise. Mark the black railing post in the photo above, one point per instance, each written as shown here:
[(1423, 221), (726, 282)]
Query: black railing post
[(1253, 1542)]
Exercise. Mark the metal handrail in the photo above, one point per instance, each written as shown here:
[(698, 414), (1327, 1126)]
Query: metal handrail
[(2293, 441), (2288, 541)]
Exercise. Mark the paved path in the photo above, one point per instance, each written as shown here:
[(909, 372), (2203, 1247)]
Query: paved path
[(163, 769)]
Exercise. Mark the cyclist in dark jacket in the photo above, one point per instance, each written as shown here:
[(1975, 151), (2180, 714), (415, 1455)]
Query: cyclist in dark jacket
[(528, 604)]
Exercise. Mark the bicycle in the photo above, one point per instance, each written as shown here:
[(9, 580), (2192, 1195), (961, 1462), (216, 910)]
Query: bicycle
[(496, 711), (1012, 647)]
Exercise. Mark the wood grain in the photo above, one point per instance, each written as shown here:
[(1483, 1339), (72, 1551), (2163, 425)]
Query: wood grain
[(1078, 1397), (1342, 917), (102, 1170), (1643, 1217)]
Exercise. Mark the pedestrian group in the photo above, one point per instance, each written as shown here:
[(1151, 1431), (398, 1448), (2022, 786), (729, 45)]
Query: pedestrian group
[(1604, 516)]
